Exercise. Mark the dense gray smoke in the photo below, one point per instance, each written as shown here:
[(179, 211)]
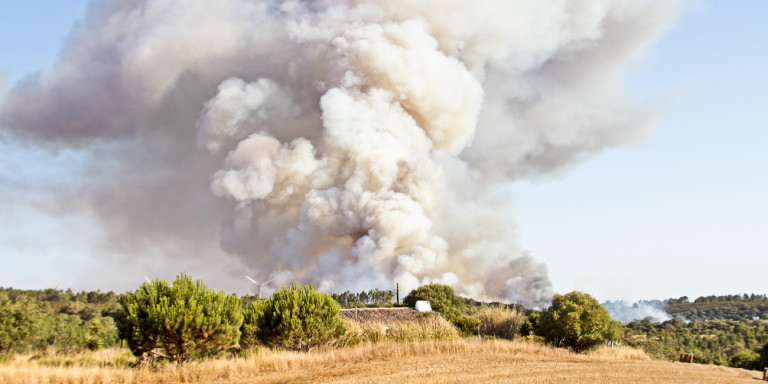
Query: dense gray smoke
[(352, 144)]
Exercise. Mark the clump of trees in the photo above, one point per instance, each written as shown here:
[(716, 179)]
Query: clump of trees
[(374, 298), (725, 307), (577, 320), (178, 320), (496, 320), (32, 320), (721, 342), (19, 319), (441, 297), (186, 320)]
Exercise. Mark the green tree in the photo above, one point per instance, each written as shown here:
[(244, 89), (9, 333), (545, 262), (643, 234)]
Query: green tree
[(179, 321), (575, 320), (20, 318), (441, 297), (614, 332), (763, 362), (298, 317)]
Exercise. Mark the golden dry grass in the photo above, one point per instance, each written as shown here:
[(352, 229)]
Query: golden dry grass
[(426, 328), (455, 361)]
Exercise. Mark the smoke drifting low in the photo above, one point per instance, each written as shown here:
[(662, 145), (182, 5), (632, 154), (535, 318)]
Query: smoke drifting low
[(638, 311), (352, 144)]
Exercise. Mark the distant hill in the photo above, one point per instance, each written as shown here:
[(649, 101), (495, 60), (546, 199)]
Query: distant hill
[(729, 307)]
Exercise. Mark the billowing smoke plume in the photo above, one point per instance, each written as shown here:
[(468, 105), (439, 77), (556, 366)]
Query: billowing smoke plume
[(349, 143), (625, 312)]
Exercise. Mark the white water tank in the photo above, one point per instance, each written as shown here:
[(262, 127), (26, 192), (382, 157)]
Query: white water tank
[(423, 306)]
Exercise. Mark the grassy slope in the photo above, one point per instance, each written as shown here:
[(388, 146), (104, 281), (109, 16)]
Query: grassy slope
[(459, 361)]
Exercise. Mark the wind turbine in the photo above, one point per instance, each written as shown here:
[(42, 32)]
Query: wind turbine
[(259, 284)]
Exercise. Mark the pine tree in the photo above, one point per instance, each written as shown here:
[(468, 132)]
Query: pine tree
[(179, 321), (299, 317)]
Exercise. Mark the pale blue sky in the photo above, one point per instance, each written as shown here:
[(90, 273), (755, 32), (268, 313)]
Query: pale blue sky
[(682, 214)]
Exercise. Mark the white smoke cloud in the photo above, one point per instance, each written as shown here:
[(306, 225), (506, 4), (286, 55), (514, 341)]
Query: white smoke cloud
[(625, 312), (349, 143)]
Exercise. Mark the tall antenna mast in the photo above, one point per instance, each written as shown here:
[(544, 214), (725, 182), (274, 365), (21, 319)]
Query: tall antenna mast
[(259, 284)]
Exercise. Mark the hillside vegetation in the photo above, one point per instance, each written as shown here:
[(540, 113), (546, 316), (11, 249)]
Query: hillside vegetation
[(39, 319), (711, 342), (728, 307), (723, 330), (62, 323)]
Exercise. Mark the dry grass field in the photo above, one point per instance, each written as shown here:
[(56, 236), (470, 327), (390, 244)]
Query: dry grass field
[(456, 361)]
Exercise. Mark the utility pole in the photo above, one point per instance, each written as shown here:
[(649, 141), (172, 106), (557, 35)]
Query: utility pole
[(397, 288)]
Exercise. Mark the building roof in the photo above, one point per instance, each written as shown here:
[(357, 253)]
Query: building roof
[(380, 314)]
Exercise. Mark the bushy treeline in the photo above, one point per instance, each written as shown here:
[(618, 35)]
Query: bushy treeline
[(34, 320), (184, 320), (734, 343), (575, 320), (719, 310), (752, 298), (761, 298), (175, 320), (374, 298)]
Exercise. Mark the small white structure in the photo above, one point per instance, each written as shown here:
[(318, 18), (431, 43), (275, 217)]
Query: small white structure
[(423, 306)]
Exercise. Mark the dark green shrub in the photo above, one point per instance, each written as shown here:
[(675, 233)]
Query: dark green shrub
[(575, 320), (531, 325), (179, 321), (299, 317), (467, 325), (746, 360), (763, 362)]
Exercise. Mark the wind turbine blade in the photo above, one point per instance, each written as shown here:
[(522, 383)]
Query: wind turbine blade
[(252, 280), (147, 279), (267, 282)]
